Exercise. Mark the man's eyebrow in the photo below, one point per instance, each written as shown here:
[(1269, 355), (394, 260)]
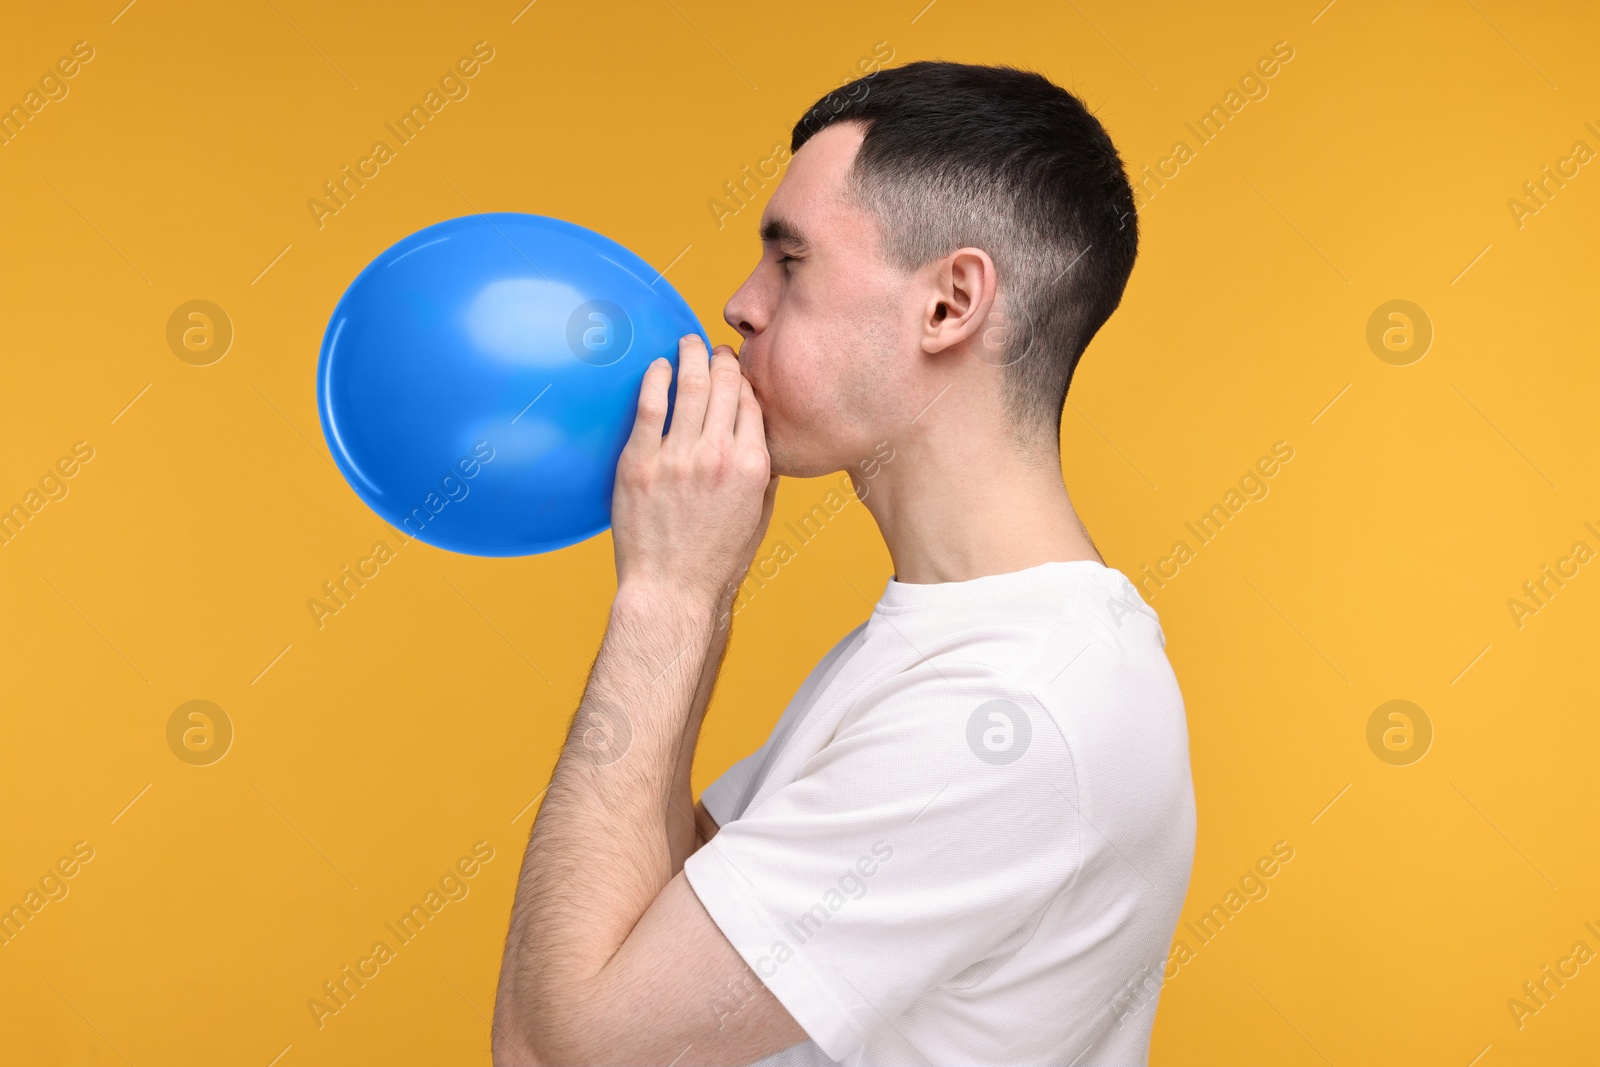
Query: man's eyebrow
[(781, 231)]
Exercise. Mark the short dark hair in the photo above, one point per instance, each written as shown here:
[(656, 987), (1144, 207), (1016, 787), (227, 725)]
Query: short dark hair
[(993, 157)]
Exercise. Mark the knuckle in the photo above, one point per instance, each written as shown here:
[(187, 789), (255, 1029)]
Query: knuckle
[(710, 461), (631, 473), (673, 467), (754, 466)]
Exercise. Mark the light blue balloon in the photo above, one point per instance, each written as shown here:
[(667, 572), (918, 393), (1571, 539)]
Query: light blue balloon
[(479, 379)]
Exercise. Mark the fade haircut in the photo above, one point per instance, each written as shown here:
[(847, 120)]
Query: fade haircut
[(956, 155)]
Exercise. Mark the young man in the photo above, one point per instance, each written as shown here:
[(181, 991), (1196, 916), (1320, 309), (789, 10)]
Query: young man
[(968, 837)]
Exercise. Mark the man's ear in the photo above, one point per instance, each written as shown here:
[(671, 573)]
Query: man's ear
[(960, 300)]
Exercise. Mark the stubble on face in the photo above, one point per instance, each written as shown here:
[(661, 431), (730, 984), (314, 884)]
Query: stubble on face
[(851, 397)]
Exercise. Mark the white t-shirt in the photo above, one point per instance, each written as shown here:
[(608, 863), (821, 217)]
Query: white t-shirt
[(968, 838)]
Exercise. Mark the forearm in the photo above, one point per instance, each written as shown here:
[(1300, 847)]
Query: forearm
[(682, 834), (599, 851)]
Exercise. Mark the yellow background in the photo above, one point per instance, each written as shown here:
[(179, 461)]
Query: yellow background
[(370, 754)]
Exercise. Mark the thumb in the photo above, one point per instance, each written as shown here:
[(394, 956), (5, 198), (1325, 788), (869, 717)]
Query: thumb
[(767, 501)]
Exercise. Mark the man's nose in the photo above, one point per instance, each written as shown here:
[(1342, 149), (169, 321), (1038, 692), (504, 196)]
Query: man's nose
[(740, 312), (738, 321)]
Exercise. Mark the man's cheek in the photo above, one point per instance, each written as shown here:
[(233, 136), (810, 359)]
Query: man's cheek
[(789, 363), (763, 396), (789, 400), (774, 392)]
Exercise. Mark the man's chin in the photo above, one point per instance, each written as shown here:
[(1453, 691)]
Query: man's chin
[(815, 469), (784, 461)]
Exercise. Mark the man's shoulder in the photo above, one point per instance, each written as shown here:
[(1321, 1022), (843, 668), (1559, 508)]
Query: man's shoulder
[(1091, 670), (1098, 629)]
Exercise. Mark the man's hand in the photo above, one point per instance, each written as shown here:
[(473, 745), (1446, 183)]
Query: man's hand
[(610, 956), (690, 508)]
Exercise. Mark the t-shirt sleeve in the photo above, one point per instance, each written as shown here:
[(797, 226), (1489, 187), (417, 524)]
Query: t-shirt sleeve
[(938, 820)]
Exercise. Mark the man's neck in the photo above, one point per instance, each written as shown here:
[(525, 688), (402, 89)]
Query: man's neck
[(956, 514)]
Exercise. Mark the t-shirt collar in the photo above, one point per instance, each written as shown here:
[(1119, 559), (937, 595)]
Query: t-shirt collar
[(901, 596)]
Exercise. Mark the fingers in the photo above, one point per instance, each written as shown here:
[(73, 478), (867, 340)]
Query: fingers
[(727, 381), (652, 413), (749, 431), (694, 389), (714, 402)]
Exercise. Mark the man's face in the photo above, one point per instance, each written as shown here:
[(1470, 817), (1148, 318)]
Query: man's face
[(824, 321)]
